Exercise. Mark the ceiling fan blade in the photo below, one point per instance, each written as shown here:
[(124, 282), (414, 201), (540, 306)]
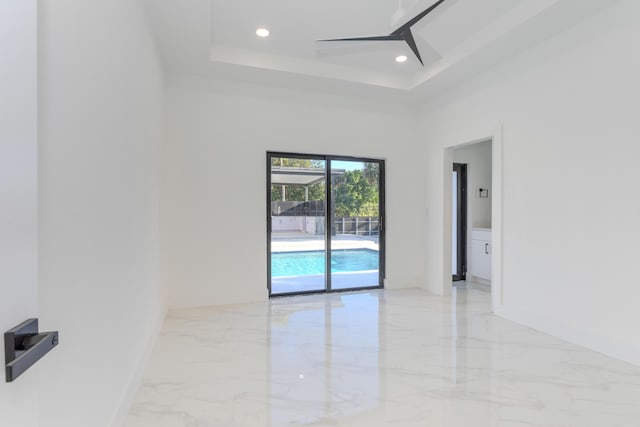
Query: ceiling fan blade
[(408, 37), (402, 33), (392, 37), (417, 18)]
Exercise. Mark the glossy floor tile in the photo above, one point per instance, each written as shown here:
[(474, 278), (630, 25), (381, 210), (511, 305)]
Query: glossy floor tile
[(384, 358)]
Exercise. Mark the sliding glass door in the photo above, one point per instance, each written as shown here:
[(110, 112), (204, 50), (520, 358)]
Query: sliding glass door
[(324, 223), (355, 224), (297, 217)]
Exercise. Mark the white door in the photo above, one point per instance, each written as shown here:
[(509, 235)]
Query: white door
[(18, 196)]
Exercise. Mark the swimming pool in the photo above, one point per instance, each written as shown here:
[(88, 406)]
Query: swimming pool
[(313, 262)]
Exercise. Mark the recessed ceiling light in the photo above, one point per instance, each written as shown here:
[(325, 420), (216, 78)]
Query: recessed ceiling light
[(262, 32), (401, 58)]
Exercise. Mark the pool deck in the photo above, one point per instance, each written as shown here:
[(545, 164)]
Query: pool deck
[(298, 241)]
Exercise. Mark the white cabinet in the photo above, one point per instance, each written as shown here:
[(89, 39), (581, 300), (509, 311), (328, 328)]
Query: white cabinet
[(481, 253)]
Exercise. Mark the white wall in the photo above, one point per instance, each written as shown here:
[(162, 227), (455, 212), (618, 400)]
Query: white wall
[(101, 106), (218, 137), (569, 110), (18, 197)]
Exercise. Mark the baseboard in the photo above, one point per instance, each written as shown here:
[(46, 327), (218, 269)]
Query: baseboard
[(478, 280), (601, 344), (402, 284), (131, 388)]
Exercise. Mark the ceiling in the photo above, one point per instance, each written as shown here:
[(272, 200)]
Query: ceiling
[(457, 40)]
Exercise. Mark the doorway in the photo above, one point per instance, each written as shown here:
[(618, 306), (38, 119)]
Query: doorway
[(325, 229), (459, 222), (470, 211)]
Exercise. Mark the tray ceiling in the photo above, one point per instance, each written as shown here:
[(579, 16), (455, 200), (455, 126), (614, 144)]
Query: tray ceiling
[(457, 40)]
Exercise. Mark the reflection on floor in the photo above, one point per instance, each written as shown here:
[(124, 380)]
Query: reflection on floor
[(384, 358), (470, 284)]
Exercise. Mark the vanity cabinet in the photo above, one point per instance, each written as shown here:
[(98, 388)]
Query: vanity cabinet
[(480, 253)]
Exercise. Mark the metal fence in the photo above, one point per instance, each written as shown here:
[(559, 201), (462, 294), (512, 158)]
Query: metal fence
[(359, 226)]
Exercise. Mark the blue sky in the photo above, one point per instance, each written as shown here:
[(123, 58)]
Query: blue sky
[(347, 165)]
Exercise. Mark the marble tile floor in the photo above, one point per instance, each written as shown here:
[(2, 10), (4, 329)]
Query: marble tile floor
[(386, 358), (316, 282)]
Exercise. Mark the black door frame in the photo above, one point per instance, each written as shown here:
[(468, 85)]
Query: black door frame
[(329, 217), (461, 216)]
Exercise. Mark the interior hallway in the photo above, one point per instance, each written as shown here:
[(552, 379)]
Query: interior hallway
[(383, 358)]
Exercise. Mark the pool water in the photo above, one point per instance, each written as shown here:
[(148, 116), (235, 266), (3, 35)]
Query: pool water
[(313, 262)]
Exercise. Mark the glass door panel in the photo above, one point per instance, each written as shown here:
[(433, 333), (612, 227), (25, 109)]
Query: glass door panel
[(454, 224), (297, 217), (356, 224), (458, 221)]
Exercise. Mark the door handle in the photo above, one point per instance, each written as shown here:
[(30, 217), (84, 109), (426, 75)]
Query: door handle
[(486, 249), (24, 345)]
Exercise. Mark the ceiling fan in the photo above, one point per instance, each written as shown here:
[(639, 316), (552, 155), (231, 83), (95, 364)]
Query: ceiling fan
[(403, 33)]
